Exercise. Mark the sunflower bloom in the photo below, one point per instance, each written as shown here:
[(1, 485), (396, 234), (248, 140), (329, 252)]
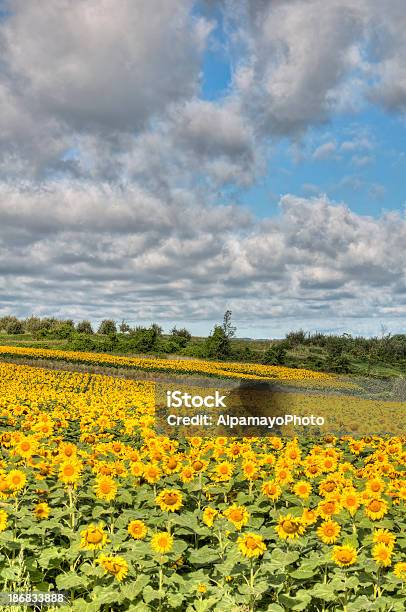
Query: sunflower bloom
[(309, 516), (26, 447), (223, 471), (272, 490), (251, 545), (16, 480), (237, 515), (382, 554), (329, 531), (302, 489), (328, 508), (93, 537), (105, 488), (400, 570), (137, 529), (70, 471), (376, 509), (169, 500), (116, 566), (351, 501), (375, 487), (289, 527), (384, 536), (162, 542), (209, 514), (344, 556), (41, 510), (3, 520)]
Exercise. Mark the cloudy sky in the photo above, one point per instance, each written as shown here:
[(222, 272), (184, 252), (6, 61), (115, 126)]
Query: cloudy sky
[(163, 160)]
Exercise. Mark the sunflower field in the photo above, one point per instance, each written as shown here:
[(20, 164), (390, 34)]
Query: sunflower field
[(94, 503)]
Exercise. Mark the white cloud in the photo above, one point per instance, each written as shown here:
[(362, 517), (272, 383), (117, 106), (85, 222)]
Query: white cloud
[(111, 164), (326, 150), (125, 253)]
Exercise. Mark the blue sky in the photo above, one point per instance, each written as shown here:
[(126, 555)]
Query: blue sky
[(368, 178), (165, 161)]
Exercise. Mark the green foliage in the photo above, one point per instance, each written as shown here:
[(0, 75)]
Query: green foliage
[(14, 326), (218, 344), (180, 336), (142, 339), (124, 327), (275, 354), (84, 327), (107, 327)]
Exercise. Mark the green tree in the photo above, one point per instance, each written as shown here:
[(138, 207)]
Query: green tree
[(107, 327), (124, 327), (218, 344), (84, 327), (275, 354), (181, 336), (14, 326)]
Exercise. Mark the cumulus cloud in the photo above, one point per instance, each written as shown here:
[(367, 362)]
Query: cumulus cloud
[(306, 59), (325, 151), (74, 67), (115, 172), (98, 251)]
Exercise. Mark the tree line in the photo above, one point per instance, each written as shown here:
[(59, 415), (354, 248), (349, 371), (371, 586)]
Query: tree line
[(318, 351)]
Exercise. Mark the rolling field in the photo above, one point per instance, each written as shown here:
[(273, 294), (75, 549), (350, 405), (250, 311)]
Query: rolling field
[(93, 502)]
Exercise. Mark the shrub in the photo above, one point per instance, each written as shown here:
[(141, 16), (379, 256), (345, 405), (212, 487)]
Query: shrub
[(181, 336), (84, 327), (107, 327), (14, 326), (275, 354), (218, 345)]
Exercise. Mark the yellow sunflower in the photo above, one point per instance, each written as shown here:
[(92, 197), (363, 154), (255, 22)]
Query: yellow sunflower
[(309, 516), (350, 500), (116, 566), (344, 556), (376, 509), (105, 488), (3, 520), (400, 570), (26, 447), (41, 510), (382, 554), (151, 473), (187, 474), (93, 537), (169, 500), (272, 490), (328, 532), (384, 536), (162, 542), (289, 527), (375, 487), (223, 471), (328, 508), (16, 480), (251, 545), (137, 529), (237, 515), (302, 489), (209, 514), (70, 471)]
